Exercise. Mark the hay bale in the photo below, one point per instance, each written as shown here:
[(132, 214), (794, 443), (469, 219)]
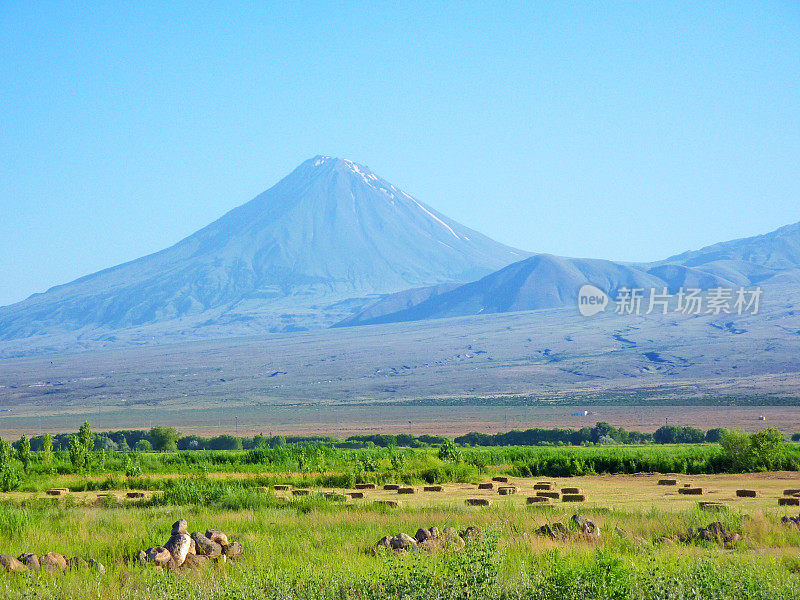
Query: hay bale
[(712, 506), (301, 492), (507, 490), (281, 488), (573, 498), (135, 494), (388, 503), (57, 492), (356, 495), (478, 501), (391, 486), (746, 493), (789, 501), (544, 485), (571, 490), (538, 500), (667, 482), (553, 495), (406, 490), (365, 486), (433, 488), (335, 497), (485, 486), (691, 491), (500, 479), (791, 492)]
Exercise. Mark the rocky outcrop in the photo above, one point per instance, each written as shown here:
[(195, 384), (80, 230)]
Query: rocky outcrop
[(190, 552), (713, 532), (428, 539)]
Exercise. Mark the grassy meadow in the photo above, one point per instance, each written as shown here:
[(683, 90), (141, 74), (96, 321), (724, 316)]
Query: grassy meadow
[(310, 546)]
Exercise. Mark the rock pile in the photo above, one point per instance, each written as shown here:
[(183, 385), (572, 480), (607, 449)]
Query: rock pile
[(52, 562), (714, 532), (578, 524), (791, 521), (431, 540), (186, 551)]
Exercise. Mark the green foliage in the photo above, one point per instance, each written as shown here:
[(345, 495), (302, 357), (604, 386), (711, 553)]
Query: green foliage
[(133, 468), (449, 452), (759, 451), (86, 437), (601, 432), (713, 436), (469, 574), (47, 448), (9, 474), (671, 434), (143, 446), (766, 447), (77, 453), (224, 442), (24, 452), (164, 439)]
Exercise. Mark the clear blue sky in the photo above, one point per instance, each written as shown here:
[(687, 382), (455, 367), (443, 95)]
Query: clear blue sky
[(618, 130)]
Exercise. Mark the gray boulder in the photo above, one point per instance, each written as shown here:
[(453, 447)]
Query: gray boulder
[(232, 550), (76, 563), (586, 526), (385, 543), (215, 535), (194, 562), (206, 547), (30, 560), (422, 535), (470, 532), (178, 547), (179, 527), (556, 530), (11, 564), (53, 561), (158, 555), (403, 541)]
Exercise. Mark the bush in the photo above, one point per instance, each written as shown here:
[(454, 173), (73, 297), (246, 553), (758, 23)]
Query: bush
[(143, 446), (224, 442)]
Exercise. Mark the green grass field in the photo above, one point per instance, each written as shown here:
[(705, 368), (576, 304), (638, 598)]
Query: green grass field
[(306, 548), (313, 547)]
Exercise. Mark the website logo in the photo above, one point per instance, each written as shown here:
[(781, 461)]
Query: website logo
[(591, 300)]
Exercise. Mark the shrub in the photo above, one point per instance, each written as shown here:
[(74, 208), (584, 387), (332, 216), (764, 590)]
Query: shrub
[(143, 446)]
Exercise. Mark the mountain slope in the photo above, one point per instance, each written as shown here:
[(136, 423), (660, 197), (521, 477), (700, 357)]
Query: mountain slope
[(776, 250), (329, 231), (545, 281)]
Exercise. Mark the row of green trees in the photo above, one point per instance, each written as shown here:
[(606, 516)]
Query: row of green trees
[(601, 433), (164, 439)]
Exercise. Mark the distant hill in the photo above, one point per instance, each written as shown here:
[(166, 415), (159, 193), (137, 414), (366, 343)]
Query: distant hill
[(545, 281), (305, 253)]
